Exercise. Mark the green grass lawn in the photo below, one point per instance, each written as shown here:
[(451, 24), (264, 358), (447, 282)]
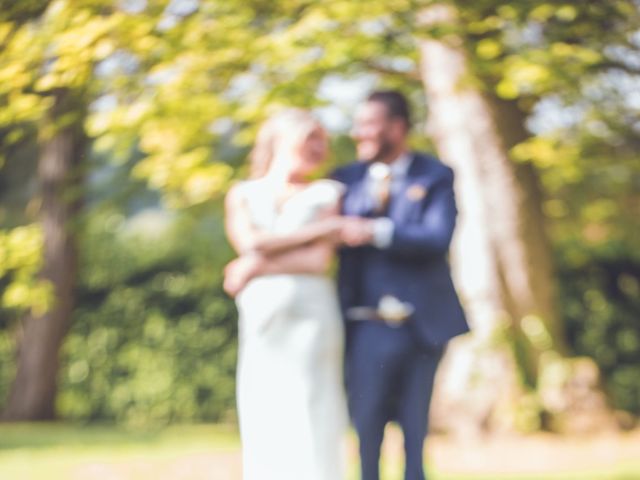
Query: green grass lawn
[(66, 452)]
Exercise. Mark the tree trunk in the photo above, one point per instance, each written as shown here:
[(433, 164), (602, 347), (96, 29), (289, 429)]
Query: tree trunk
[(33, 392), (501, 257)]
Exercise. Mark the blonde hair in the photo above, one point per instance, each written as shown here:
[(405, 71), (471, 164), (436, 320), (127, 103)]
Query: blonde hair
[(292, 124)]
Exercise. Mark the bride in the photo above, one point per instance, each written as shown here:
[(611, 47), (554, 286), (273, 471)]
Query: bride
[(291, 405)]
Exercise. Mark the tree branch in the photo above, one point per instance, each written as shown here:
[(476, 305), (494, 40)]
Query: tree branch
[(411, 75)]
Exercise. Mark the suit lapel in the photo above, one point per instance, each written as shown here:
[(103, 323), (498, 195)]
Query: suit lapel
[(358, 201), (401, 201)]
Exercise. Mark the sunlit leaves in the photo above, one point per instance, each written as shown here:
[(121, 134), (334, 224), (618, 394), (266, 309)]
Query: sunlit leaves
[(20, 260), (20, 250), (488, 49), (542, 13), (522, 77), (186, 178), (21, 295), (164, 77)]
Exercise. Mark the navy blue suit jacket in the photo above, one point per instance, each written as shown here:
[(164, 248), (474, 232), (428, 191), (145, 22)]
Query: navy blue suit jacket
[(414, 268)]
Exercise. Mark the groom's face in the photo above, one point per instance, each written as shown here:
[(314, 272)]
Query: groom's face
[(374, 132)]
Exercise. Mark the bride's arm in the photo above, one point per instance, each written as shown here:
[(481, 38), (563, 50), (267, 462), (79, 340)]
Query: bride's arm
[(314, 258), (245, 237)]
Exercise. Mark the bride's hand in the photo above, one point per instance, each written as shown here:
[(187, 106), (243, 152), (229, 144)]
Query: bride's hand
[(331, 225), (238, 273)]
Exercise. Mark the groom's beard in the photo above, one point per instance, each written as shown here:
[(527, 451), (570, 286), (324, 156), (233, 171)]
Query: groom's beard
[(382, 153)]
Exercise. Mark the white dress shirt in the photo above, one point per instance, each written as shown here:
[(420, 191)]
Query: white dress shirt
[(383, 226)]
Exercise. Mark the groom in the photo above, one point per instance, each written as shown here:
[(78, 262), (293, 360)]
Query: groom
[(394, 281)]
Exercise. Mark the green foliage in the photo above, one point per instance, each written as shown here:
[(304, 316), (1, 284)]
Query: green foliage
[(20, 260), (600, 301), (21, 291), (154, 337), (525, 50), (232, 62)]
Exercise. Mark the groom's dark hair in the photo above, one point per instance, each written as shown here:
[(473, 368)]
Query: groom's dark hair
[(395, 102)]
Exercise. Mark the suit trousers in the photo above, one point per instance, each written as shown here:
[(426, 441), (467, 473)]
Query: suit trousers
[(389, 377)]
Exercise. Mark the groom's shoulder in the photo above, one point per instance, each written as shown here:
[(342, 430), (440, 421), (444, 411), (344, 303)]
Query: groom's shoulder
[(349, 172), (432, 165), (427, 159)]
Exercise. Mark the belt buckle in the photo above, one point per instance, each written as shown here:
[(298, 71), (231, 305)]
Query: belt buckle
[(394, 311), (390, 310)]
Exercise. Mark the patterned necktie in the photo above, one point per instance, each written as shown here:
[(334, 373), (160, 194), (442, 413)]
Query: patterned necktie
[(380, 177)]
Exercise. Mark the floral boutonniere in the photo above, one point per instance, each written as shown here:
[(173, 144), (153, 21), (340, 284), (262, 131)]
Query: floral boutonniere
[(416, 192)]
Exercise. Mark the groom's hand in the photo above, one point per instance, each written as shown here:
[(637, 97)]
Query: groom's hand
[(356, 231)]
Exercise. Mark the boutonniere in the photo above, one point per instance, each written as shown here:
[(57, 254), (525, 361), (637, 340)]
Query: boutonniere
[(416, 192)]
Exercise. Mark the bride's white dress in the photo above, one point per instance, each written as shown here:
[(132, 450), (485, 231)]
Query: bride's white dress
[(291, 404)]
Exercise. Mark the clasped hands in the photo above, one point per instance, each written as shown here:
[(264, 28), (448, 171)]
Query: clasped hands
[(351, 231), (339, 230)]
